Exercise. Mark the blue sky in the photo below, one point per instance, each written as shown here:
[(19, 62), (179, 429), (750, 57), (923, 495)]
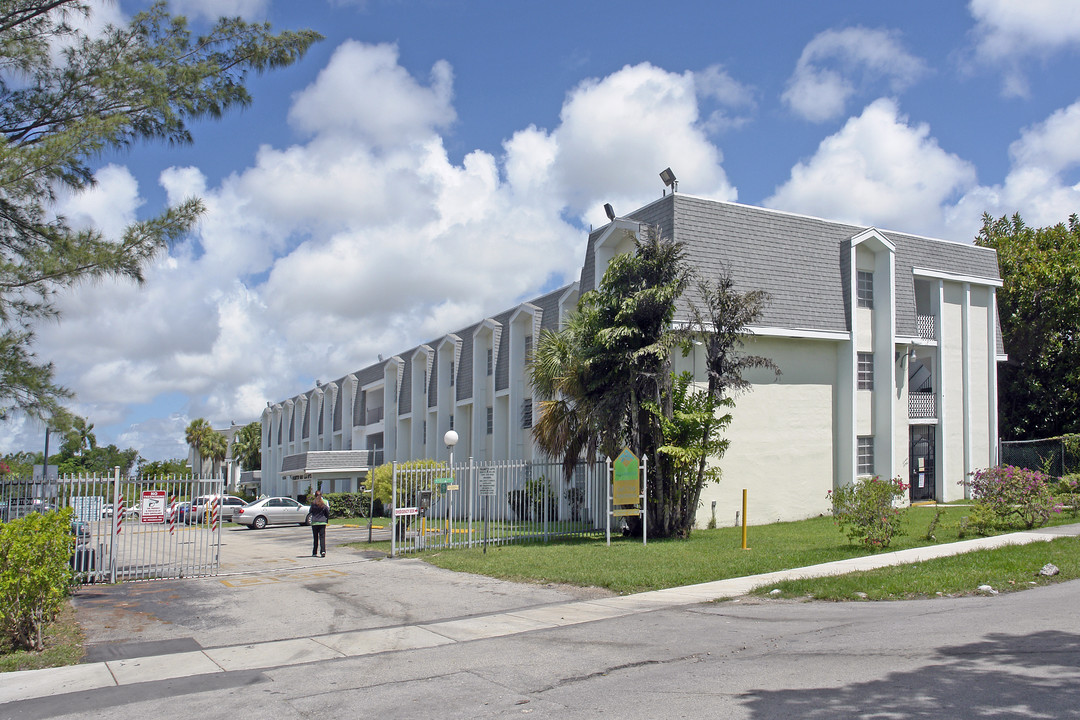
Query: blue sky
[(430, 163)]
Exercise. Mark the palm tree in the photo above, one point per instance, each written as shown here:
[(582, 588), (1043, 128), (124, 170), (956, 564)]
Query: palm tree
[(195, 435), (215, 448), (247, 446)]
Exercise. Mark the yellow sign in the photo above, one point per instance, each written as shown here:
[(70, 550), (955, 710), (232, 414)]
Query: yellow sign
[(626, 512), (626, 479)]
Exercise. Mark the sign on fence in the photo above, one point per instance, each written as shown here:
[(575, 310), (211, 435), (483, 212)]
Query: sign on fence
[(152, 509), (487, 481)]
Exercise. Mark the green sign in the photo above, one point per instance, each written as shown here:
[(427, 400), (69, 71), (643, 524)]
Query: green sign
[(626, 479)]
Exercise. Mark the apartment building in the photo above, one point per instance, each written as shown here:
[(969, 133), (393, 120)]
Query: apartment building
[(887, 343)]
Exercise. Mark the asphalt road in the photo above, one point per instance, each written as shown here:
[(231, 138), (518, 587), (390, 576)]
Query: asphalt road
[(1007, 656)]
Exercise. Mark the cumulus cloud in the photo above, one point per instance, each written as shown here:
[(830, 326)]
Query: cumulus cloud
[(1007, 33), (837, 65), (1037, 184), (366, 238), (878, 169)]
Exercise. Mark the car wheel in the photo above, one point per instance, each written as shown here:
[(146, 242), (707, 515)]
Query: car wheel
[(250, 527), (260, 523), (307, 520)]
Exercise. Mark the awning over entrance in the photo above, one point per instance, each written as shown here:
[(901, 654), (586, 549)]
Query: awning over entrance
[(334, 470)]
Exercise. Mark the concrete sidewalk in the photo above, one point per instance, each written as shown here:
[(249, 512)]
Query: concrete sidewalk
[(29, 684)]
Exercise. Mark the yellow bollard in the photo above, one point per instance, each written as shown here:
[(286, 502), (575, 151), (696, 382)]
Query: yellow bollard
[(744, 519)]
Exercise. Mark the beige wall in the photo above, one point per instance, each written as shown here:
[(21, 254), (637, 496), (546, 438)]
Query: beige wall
[(782, 436)]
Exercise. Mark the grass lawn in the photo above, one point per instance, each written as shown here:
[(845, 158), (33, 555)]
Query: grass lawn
[(628, 567), (63, 646)]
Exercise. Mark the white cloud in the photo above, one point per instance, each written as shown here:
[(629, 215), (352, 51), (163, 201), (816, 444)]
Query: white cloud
[(109, 204), (1008, 32), (367, 238), (1037, 184), (878, 170), (837, 65), (213, 9), (365, 95)]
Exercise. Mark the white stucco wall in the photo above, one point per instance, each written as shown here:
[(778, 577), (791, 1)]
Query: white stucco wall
[(781, 437)]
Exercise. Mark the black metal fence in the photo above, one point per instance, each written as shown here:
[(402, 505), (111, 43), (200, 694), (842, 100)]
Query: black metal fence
[(1052, 456)]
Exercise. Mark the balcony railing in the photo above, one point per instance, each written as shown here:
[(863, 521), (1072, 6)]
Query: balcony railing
[(374, 415), (927, 326), (922, 405)]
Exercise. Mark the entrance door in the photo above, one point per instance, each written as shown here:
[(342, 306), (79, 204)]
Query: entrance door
[(923, 486)]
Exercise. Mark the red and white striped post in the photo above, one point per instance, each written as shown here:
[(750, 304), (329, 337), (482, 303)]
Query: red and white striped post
[(172, 514)]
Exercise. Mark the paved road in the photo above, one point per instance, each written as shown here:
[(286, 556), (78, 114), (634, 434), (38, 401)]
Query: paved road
[(476, 647)]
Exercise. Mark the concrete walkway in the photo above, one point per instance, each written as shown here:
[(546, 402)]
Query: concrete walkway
[(278, 653)]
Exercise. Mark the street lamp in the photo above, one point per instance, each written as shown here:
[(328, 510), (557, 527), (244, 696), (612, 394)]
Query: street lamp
[(450, 439)]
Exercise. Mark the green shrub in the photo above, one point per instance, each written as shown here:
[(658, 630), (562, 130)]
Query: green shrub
[(1067, 492), (1014, 495), (35, 574), (349, 505), (865, 510)]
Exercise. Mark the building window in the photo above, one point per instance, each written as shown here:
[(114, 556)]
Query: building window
[(451, 422), (866, 371), (489, 361), (451, 373), (425, 433), (865, 292), (526, 414), (528, 348), (490, 421), (866, 455)]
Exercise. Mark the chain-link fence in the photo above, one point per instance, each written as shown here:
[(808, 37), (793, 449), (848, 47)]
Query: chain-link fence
[(1052, 456)]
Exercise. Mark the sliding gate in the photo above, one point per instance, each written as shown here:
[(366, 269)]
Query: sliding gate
[(128, 528), (477, 504)]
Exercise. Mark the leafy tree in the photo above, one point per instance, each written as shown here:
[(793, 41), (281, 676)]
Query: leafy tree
[(79, 437), (97, 461), (19, 464), (605, 380), (382, 478), (61, 110), (1039, 306), (247, 446), (177, 467)]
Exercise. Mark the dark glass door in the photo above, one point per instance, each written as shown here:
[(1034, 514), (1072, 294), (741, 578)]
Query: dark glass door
[(923, 486)]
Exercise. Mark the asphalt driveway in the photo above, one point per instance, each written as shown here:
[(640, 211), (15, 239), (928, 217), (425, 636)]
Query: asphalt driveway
[(270, 588)]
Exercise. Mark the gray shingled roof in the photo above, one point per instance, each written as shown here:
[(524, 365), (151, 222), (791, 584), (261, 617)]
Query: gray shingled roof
[(800, 261), (324, 461)]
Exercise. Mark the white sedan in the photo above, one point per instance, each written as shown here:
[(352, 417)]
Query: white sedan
[(272, 511)]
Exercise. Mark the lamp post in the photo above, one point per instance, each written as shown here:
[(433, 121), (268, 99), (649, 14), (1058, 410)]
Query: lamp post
[(450, 440)]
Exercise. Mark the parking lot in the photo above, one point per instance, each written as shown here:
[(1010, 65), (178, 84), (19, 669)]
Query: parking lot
[(270, 588)]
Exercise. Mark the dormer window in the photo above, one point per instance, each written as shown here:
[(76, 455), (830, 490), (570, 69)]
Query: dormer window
[(865, 291)]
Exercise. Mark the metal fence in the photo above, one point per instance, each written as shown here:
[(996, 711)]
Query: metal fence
[(127, 528), (1053, 456), (479, 504)]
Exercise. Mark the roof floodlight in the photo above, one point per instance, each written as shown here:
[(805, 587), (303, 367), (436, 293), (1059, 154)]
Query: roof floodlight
[(669, 179), (610, 211)]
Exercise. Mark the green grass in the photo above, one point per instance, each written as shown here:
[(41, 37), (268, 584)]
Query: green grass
[(628, 567), (1005, 569), (63, 646)]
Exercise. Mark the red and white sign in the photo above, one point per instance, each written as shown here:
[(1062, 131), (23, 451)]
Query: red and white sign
[(153, 506), (398, 512)]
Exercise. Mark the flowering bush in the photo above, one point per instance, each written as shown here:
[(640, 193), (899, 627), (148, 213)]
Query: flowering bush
[(1067, 493), (1014, 495), (866, 510)]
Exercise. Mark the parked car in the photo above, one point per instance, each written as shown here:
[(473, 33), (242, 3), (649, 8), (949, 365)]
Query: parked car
[(272, 511), (227, 505), (183, 511), (107, 511)]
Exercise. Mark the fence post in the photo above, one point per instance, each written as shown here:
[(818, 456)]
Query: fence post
[(115, 528)]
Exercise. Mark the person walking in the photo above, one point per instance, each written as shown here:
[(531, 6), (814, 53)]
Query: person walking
[(320, 515)]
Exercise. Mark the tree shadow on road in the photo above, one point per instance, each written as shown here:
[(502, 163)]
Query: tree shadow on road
[(1003, 676)]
